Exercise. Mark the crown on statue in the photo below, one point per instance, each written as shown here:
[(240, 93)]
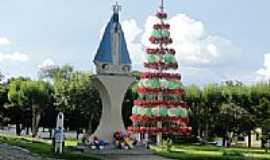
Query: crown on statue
[(117, 8)]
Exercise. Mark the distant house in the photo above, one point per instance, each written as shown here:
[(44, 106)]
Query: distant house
[(256, 139)]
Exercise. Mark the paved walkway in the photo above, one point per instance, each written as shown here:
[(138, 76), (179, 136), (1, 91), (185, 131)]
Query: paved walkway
[(139, 153), (134, 157), (16, 153), (8, 152)]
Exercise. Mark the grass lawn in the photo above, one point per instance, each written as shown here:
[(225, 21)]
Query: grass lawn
[(211, 153), (182, 152), (44, 147)]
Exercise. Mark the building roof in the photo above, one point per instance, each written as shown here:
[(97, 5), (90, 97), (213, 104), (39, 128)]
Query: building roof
[(104, 52)]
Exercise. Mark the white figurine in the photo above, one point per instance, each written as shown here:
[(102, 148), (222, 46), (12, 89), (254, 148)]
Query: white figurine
[(59, 134)]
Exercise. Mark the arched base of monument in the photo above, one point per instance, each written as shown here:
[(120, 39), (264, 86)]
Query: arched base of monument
[(112, 89)]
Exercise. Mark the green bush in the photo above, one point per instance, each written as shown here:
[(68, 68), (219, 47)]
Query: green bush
[(184, 139), (233, 153)]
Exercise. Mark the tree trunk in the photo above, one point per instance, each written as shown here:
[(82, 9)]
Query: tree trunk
[(249, 139), (50, 130), (206, 124), (206, 131), (18, 129), (77, 134), (199, 130), (231, 138), (36, 115), (27, 130), (33, 121), (224, 140), (89, 131)]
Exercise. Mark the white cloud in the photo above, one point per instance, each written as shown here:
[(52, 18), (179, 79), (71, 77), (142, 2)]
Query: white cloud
[(15, 57), (264, 73), (212, 49), (132, 32), (203, 57), (4, 41), (193, 44), (47, 63)]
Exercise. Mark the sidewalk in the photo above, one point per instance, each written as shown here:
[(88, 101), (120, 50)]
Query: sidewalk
[(8, 152)]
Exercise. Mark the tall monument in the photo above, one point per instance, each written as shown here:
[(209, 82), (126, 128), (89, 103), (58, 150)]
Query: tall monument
[(112, 80)]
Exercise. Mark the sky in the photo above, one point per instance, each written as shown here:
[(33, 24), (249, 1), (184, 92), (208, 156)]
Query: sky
[(215, 40)]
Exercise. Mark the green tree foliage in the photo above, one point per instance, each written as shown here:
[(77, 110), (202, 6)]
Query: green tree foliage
[(27, 95), (17, 107), (37, 94), (211, 98), (263, 114), (3, 100), (127, 105), (229, 109), (76, 96), (193, 96)]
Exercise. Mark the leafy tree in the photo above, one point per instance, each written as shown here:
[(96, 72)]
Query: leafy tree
[(48, 118), (37, 94), (259, 94), (263, 116), (3, 100), (76, 96), (238, 107), (212, 98), (57, 73), (127, 105), (24, 96), (193, 97), (85, 99), (17, 106), (231, 117)]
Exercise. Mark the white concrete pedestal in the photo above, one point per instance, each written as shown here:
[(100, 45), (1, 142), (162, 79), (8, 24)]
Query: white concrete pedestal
[(112, 90)]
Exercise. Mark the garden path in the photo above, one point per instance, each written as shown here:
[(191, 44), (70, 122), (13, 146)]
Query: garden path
[(134, 157), (138, 153), (8, 152)]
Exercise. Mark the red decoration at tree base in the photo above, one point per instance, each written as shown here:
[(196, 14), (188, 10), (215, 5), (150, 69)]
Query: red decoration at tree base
[(162, 51), (161, 65), (163, 40), (160, 91), (178, 120), (151, 104), (155, 130), (172, 76)]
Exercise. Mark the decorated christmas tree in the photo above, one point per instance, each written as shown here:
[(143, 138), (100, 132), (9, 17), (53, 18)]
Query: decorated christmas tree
[(160, 110)]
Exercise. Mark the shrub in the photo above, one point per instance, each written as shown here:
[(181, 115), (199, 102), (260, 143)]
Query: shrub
[(233, 153)]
